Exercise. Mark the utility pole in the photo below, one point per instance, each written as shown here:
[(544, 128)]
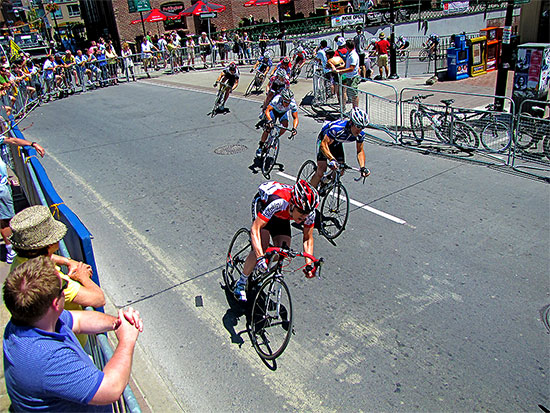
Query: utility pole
[(504, 66), (393, 63)]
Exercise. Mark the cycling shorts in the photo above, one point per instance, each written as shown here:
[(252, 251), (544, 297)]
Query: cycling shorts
[(275, 226), (335, 148), (278, 115)]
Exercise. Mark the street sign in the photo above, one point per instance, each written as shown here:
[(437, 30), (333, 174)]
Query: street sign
[(138, 5), (208, 15)]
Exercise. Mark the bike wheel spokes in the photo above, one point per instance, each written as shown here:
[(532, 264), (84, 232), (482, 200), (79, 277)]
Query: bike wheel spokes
[(465, 137), (334, 211), (271, 319), (417, 126), (307, 170), (496, 136), (239, 248), (270, 155)]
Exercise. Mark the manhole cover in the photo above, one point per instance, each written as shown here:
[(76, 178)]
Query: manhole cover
[(230, 149)]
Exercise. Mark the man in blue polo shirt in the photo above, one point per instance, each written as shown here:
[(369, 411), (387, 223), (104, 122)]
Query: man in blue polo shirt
[(45, 367)]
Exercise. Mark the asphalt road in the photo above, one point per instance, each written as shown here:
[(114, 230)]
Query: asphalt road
[(438, 314)]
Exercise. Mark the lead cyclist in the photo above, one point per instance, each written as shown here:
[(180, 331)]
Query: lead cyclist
[(273, 207)]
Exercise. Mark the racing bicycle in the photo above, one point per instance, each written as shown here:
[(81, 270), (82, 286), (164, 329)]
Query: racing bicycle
[(445, 125), (335, 200), (269, 322), (219, 98), (270, 150), (256, 83)]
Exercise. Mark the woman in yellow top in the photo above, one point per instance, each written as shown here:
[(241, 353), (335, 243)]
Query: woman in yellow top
[(36, 233)]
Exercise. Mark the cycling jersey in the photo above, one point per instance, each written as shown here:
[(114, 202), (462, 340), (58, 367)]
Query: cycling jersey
[(299, 57), (286, 69), (265, 63), (340, 131), (231, 77), (277, 85), (274, 201), (277, 105)]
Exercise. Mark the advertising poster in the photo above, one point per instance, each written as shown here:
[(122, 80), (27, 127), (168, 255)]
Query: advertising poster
[(544, 84), (455, 7)]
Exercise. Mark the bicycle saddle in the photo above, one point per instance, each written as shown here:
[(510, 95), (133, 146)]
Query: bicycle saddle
[(447, 102)]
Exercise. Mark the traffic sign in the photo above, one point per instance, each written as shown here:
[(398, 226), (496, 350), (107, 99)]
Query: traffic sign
[(210, 15)]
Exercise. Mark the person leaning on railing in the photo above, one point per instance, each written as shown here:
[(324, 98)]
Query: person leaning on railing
[(34, 233), (45, 368)]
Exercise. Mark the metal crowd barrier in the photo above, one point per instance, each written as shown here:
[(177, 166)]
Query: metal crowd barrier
[(76, 244)]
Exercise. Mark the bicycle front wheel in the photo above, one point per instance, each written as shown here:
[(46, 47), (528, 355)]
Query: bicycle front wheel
[(417, 126), (334, 211), (271, 151), (271, 319), (217, 103), (423, 55), (307, 170), (496, 136), (239, 248), (250, 87)]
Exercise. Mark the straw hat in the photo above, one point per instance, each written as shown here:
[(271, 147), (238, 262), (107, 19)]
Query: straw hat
[(382, 35), (35, 228)]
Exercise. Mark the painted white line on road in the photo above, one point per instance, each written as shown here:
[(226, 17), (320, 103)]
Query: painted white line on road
[(359, 204)]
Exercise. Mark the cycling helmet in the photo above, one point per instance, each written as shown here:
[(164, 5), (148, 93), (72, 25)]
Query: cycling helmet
[(304, 196), (267, 54), (232, 66), (280, 73), (400, 37), (359, 118), (286, 60), (300, 49), (287, 95)]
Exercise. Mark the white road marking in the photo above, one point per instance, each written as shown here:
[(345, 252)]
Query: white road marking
[(359, 204)]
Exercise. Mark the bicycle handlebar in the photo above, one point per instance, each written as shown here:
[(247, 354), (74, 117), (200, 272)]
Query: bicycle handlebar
[(344, 166), (290, 253)]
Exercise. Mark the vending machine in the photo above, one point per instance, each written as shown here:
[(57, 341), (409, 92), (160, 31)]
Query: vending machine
[(457, 58), (494, 41), (478, 56), (532, 74)]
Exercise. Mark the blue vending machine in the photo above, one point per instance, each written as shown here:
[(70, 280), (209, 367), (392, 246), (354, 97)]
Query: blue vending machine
[(457, 58)]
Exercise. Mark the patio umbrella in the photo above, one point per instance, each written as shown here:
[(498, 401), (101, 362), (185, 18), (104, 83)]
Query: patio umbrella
[(201, 7), (155, 15)]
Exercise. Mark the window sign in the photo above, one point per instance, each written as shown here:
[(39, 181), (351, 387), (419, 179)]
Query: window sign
[(138, 5)]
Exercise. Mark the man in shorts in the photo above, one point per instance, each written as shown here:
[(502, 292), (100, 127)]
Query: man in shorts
[(382, 47), (351, 78)]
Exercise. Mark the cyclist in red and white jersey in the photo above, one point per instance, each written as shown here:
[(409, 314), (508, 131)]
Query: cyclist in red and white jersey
[(277, 83), (273, 207), (299, 58), (284, 64)]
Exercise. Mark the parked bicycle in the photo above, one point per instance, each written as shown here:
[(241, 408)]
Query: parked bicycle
[(445, 125), (494, 127), (269, 323), (219, 98), (270, 150), (533, 129), (334, 209)]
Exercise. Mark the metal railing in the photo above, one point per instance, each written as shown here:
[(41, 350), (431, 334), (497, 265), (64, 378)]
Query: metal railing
[(76, 244)]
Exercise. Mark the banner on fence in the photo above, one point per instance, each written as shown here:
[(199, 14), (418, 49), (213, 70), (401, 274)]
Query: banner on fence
[(347, 20), (455, 6)]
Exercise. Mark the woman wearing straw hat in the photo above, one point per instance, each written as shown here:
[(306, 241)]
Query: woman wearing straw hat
[(6, 200), (36, 233)]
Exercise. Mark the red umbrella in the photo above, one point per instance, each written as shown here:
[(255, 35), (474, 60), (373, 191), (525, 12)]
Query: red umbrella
[(156, 15), (201, 7)]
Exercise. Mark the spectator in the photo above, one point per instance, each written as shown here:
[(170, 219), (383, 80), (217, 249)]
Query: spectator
[(382, 47), (112, 63), (334, 63), (6, 201), (175, 54), (321, 56), (50, 77), (4, 62), (81, 70), (36, 233), (282, 41), (94, 68), (238, 47), (45, 368), (205, 46), (341, 49), (350, 73), (102, 62), (221, 43), (190, 46), (126, 54), (262, 43), (147, 54), (246, 48), (360, 42), (161, 44)]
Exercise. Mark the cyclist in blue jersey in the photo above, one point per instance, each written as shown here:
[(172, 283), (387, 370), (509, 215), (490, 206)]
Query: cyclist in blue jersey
[(329, 143), (278, 108), (263, 65)]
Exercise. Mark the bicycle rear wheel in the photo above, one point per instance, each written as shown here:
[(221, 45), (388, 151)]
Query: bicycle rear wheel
[(334, 211), (270, 153), (496, 136), (423, 55), (307, 170), (417, 126), (239, 248), (271, 319), (465, 137), (250, 87)]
